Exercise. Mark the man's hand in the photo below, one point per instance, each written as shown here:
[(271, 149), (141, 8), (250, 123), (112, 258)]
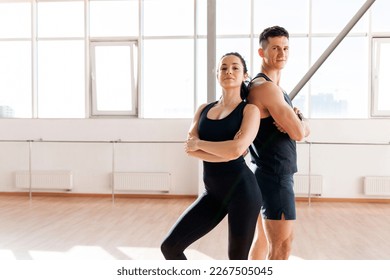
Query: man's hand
[(280, 128), (299, 114)]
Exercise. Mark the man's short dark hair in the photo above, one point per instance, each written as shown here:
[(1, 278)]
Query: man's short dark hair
[(273, 31)]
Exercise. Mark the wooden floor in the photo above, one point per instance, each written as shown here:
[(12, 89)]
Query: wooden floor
[(132, 228)]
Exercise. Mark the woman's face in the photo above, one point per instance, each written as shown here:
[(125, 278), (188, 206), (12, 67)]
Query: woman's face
[(231, 72)]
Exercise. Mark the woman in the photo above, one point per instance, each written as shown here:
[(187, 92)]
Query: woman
[(220, 134)]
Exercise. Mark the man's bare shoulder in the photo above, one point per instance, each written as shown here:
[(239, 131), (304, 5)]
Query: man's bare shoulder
[(262, 87), (258, 82)]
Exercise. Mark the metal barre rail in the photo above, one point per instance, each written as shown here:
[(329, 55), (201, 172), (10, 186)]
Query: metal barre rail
[(112, 142), (344, 143), (90, 141), (173, 142)]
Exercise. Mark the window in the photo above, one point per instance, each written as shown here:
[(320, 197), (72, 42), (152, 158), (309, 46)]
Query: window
[(168, 59), (148, 59), (113, 18), (339, 87), (293, 15), (60, 60), (61, 82), (15, 79), (15, 57), (331, 16), (380, 16), (53, 19), (114, 78), (15, 20), (380, 77), (164, 18), (228, 20), (168, 78)]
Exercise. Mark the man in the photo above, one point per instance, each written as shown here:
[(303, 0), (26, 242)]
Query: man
[(274, 150)]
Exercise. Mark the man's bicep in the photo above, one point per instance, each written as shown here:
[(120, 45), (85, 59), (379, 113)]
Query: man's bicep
[(280, 111)]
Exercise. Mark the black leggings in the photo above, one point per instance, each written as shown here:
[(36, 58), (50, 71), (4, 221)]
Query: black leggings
[(236, 195)]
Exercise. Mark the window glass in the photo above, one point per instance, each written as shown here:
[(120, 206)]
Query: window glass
[(61, 19), (168, 86), (232, 18), (15, 82), (169, 17), (336, 92), (15, 20), (292, 15), (240, 45), (380, 16), (114, 18), (61, 79), (201, 17), (332, 16)]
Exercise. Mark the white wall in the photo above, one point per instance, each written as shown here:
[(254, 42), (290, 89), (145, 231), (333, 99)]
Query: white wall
[(343, 152), (157, 146), (145, 146)]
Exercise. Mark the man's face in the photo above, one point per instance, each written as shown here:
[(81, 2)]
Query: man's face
[(276, 52)]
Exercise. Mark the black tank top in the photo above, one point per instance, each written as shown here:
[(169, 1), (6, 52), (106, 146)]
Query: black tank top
[(221, 130), (272, 151)]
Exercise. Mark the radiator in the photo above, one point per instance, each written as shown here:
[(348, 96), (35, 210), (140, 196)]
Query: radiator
[(377, 185), (47, 180), (301, 185), (142, 181)]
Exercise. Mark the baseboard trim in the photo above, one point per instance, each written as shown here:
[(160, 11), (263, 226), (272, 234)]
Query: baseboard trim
[(95, 195), (343, 199), (177, 196)]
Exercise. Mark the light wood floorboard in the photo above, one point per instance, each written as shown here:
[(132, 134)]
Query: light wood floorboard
[(132, 228)]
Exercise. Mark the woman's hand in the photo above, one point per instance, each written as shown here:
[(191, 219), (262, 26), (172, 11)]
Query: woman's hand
[(238, 134), (191, 144)]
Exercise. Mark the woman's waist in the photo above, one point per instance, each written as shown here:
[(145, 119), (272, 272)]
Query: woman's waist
[(215, 168)]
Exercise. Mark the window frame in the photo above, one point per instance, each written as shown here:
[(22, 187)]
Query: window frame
[(134, 79), (375, 94)]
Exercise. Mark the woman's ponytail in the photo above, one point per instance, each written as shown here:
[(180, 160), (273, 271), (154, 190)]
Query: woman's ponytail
[(244, 91)]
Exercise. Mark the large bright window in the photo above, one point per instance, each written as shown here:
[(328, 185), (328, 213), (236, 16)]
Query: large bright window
[(380, 76), (293, 15), (168, 59), (164, 18), (60, 60), (54, 19), (112, 18), (168, 78), (15, 60), (15, 20), (61, 79), (148, 58), (228, 20), (15, 80), (331, 16), (335, 92)]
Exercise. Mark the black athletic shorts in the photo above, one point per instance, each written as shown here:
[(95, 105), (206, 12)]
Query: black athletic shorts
[(278, 195)]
